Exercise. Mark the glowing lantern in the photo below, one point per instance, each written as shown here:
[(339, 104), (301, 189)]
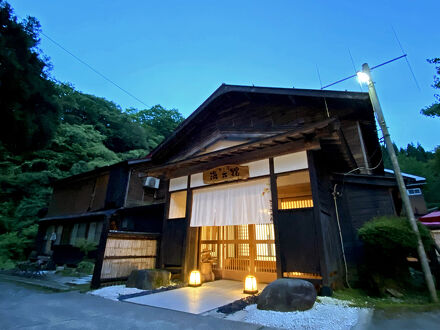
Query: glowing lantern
[(250, 284), (195, 279)]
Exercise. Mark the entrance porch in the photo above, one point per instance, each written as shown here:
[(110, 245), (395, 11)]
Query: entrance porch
[(209, 296), (240, 250)]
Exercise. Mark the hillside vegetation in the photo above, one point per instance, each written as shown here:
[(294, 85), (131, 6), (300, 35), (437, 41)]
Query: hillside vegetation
[(50, 130)]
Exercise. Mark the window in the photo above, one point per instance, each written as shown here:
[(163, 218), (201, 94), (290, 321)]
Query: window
[(294, 191), (177, 205), (65, 236), (414, 191)]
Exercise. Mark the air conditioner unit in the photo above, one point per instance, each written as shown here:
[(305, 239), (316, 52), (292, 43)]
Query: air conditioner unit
[(151, 182)]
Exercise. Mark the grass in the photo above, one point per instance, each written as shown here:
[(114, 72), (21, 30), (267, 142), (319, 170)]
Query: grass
[(411, 300)]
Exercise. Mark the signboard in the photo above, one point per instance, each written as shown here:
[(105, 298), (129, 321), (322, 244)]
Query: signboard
[(225, 173)]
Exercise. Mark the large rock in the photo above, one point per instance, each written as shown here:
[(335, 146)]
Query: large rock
[(286, 295), (148, 279)]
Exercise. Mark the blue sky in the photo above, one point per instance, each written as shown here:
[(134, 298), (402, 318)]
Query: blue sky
[(176, 53)]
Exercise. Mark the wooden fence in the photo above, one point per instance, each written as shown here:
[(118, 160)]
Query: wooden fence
[(125, 252)]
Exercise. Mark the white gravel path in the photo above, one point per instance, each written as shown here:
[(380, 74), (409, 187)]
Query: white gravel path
[(329, 313), (114, 291)]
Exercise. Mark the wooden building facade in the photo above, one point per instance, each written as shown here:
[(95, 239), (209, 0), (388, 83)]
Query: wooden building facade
[(272, 182), (298, 147)]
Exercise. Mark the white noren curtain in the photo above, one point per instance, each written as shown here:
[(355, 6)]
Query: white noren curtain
[(232, 204)]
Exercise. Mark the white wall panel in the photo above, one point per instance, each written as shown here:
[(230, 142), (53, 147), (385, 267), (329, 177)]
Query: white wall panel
[(290, 162), (197, 180), (258, 168), (178, 183)]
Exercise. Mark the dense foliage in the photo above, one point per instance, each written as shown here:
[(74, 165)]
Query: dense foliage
[(388, 241), (49, 131), (434, 109), (417, 161)]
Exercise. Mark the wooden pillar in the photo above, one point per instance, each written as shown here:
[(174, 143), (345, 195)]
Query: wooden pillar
[(96, 279), (161, 259), (274, 193), (323, 257), (252, 249), (190, 242)]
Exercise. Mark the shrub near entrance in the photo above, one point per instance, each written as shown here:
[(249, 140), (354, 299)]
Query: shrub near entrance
[(388, 241)]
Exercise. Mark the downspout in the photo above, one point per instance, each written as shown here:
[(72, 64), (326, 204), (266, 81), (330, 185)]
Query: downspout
[(335, 196)]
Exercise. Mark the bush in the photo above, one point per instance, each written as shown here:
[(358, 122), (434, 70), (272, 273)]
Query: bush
[(393, 235), (85, 267), (85, 246), (388, 241)]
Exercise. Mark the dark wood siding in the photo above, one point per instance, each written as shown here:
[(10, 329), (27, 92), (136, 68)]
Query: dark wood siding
[(328, 235), (174, 236), (298, 241), (117, 188), (147, 219), (135, 193), (80, 196), (358, 204)]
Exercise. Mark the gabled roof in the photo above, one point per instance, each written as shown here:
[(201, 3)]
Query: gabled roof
[(225, 90)]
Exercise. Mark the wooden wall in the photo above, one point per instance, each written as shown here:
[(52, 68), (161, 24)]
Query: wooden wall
[(327, 230), (147, 219), (174, 236), (117, 187), (298, 241), (358, 204), (247, 112), (85, 195)]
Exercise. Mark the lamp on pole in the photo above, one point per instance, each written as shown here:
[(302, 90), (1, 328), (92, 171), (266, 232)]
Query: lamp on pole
[(365, 77)]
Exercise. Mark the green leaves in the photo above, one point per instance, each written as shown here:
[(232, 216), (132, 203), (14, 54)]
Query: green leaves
[(434, 109), (393, 235), (27, 98), (50, 131), (416, 160)]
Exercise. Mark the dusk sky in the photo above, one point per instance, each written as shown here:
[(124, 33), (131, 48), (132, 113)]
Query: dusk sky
[(176, 53)]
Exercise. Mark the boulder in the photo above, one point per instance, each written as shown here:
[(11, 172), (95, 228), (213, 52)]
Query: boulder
[(148, 279), (287, 295)]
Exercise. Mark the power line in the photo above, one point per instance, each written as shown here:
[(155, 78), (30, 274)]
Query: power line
[(94, 70), (354, 68), (354, 75), (406, 58)]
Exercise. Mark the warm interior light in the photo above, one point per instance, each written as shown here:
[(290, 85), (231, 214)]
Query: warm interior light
[(195, 279), (363, 77), (250, 285)]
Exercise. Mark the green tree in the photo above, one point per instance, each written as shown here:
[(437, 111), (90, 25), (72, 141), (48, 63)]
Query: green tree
[(418, 161), (434, 109), (158, 121), (120, 131), (27, 98)]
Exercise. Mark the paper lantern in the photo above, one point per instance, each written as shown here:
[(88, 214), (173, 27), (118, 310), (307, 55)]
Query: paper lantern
[(250, 285), (195, 279)]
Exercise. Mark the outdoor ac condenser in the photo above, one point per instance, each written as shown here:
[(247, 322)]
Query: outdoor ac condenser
[(151, 182)]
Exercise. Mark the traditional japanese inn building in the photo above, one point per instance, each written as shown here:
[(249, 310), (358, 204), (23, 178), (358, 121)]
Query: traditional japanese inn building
[(272, 182)]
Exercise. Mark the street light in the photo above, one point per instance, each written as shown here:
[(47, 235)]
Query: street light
[(365, 77), (362, 77)]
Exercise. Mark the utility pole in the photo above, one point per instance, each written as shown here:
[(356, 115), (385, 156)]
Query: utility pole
[(365, 76)]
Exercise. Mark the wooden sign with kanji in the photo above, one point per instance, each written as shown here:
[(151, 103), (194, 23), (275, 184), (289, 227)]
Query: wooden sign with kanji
[(225, 173)]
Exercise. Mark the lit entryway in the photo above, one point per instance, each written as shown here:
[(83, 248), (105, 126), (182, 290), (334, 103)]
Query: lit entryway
[(198, 300)]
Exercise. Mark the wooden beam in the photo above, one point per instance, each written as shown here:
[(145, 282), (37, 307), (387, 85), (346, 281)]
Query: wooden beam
[(277, 150), (274, 196)]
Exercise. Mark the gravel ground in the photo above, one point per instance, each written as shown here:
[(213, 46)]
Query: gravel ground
[(114, 291), (328, 313)]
